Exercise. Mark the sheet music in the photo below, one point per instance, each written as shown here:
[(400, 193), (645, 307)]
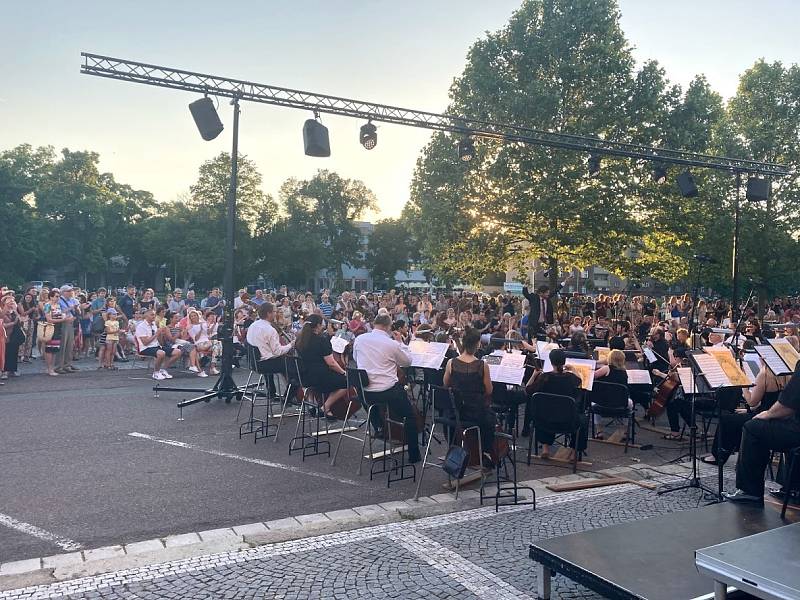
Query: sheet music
[(726, 360), (650, 355), (543, 352), (338, 344), (583, 368), (773, 360), (786, 351), (510, 369), (427, 355), (711, 369), (602, 354), (752, 365), (639, 376), (687, 379)]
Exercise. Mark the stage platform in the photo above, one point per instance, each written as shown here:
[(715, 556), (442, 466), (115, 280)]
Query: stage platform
[(652, 559)]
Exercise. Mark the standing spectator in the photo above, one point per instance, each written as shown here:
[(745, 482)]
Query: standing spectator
[(53, 316), (111, 339), (239, 301), (127, 303), (326, 307), (9, 337), (258, 299), (177, 305), (29, 311), (148, 301), (99, 303), (191, 301), (69, 306)]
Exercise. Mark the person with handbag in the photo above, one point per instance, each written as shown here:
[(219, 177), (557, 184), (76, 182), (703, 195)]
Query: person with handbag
[(469, 376), (51, 332), (13, 334)]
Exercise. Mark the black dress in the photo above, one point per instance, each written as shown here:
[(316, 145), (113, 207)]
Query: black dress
[(562, 383), (317, 373), (467, 379)]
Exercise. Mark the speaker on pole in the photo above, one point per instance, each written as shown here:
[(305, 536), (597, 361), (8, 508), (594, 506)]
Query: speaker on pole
[(687, 185), (315, 139), (206, 118), (757, 189)]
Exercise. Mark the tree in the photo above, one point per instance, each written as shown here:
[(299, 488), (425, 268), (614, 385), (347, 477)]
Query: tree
[(318, 230), (389, 251), (22, 170), (563, 66)]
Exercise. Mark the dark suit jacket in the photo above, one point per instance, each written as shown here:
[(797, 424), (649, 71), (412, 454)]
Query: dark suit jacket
[(536, 305)]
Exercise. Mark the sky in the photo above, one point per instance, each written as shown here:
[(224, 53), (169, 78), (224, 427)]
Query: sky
[(400, 53)]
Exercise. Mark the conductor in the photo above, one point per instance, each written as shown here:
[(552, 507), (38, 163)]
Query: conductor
[(540, 312)]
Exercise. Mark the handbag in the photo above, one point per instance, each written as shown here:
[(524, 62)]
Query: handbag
[(46, 331), (455, 462)]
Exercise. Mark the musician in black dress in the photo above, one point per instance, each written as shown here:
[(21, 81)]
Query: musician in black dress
[(469, 377), (322, 372)]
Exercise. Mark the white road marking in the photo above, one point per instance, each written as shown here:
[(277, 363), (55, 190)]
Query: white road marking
[(62, 542), (255, 461), (476, 579)]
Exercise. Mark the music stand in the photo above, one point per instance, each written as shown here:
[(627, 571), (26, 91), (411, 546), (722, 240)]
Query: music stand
[(694, 480)]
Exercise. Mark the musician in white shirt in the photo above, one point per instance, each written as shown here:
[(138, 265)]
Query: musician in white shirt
[(380, 354), (264, 336)]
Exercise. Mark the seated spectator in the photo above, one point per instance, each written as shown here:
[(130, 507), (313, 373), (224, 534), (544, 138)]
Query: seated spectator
[(147, 334)]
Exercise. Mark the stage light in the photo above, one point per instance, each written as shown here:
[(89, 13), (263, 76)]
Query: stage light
[(368, 136), (594, 165), (758, 189), (687, 185), (466, 149), (315, 139), (206, 118), (660, 174)]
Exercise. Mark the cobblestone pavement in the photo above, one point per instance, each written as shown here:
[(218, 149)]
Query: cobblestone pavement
[(472, 554)]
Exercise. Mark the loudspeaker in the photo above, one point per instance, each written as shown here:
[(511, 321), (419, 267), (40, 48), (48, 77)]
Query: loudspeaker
[(687, 185), (206, 118), (315, 139), (758, 189)]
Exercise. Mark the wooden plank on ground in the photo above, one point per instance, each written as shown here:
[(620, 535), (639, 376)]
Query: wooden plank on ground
[(599, 482), (466, 480)]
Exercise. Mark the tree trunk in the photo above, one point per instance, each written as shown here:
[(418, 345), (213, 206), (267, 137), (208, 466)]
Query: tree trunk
[(552, 281)]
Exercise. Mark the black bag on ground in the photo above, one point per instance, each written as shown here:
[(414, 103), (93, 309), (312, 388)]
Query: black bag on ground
[(455, 462)]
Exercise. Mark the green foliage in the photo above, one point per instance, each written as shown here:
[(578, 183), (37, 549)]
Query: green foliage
[(390, 250), (317, 230)]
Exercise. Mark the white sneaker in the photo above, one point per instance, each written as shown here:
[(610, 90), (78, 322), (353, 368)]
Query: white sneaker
[(158, 376), (194, 369), (202, 374), (214, 371), (165, 374)]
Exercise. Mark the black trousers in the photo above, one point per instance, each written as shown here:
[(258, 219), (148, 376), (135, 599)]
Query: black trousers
[(269, 368), (759, 437), (485, 419), (728, 435), (396, 400), (12, 356), (681, 406)]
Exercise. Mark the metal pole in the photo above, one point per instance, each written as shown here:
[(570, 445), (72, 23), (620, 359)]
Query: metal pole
[(735, 260)]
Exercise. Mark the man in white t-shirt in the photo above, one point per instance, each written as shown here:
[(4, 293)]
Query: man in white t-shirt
[(147, 345)]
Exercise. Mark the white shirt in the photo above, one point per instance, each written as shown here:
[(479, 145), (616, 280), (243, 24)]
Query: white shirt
[(145, 330), (263, 336), (198, 332), (380, 355)]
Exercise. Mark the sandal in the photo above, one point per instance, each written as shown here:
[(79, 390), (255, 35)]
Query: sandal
[(600, 436), (673, 436), (710, 460)]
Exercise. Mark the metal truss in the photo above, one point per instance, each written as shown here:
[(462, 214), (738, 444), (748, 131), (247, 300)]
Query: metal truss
[(138, 72)]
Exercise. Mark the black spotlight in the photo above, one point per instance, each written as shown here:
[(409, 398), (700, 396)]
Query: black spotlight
[(206, 118), (758, 189), (660, 174), (594, 165), (466, 149), (687, 185), (368, 136), (315, 139)]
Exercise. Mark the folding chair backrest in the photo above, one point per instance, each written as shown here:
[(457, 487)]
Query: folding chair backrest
[(442, 400), (358, 379), (555, 413), (294, 369), (253, 356), (606, 394)]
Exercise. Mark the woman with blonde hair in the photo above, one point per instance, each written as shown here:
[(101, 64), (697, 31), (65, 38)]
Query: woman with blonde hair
[(613, 372)]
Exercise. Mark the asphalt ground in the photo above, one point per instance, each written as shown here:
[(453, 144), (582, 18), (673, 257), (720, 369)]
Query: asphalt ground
[(72, 473)]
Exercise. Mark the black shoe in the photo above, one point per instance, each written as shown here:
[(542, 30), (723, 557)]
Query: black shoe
[(778, 494), (709, 460), (740, 497)]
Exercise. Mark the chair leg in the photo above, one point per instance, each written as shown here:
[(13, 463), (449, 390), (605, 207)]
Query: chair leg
[(787, 488), (425, 460), (367, 437), (531, 435), (341, 434)]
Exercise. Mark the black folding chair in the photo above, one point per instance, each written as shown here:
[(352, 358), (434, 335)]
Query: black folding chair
[(448, 404), (789, 486), (357, 379), (610, 401), (559, 415)]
